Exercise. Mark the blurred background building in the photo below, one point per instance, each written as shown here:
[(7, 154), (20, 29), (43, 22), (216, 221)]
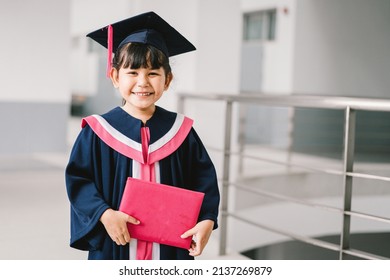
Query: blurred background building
[(52, 75), (35, 87)]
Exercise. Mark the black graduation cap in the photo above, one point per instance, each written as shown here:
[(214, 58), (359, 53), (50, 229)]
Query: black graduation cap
[(147, 28)]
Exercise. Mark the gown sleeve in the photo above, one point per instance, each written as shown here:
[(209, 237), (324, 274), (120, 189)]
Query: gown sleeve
[(203, 178), (87, 204)]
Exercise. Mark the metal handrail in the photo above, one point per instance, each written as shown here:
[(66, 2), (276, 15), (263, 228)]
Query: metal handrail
[(308, 168), (350, 105), (302, 101)]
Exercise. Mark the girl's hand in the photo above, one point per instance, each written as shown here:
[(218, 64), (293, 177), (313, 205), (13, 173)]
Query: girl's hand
[(115, 223), (201, 234)]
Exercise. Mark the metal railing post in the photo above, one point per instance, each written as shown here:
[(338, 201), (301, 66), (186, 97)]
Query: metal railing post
[(242, 115), (225, 177), (291, 126), (349, 149)]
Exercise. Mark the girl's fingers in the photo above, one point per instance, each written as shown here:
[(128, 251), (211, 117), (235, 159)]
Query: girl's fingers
[(132, 220)]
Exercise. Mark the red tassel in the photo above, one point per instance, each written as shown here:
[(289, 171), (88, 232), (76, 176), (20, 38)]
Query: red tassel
[(110, 36)]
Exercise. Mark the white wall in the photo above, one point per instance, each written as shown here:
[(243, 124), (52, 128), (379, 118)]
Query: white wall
[(217, 67), (34, 75), (34, 51), (278, 55), (87, 16), (342, 48)]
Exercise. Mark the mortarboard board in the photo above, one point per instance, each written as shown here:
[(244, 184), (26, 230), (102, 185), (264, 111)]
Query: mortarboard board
[(147, 28)]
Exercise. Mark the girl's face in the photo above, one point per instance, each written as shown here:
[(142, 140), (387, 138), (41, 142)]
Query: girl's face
[(141, 88)]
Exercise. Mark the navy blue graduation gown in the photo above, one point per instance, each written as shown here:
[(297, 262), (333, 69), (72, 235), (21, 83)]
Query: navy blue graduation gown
[(96, 175)]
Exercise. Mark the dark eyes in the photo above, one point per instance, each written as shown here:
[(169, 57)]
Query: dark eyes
[(135, 73)]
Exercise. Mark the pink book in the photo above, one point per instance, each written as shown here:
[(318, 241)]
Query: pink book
[(165, 212)]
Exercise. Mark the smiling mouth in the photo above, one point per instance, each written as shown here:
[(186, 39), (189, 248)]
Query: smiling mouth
[(142, 93)]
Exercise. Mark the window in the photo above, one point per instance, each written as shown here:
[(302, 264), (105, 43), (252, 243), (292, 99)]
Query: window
[(260, 26)]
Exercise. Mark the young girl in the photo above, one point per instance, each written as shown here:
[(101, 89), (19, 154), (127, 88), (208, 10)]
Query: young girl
[(139, 140)]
